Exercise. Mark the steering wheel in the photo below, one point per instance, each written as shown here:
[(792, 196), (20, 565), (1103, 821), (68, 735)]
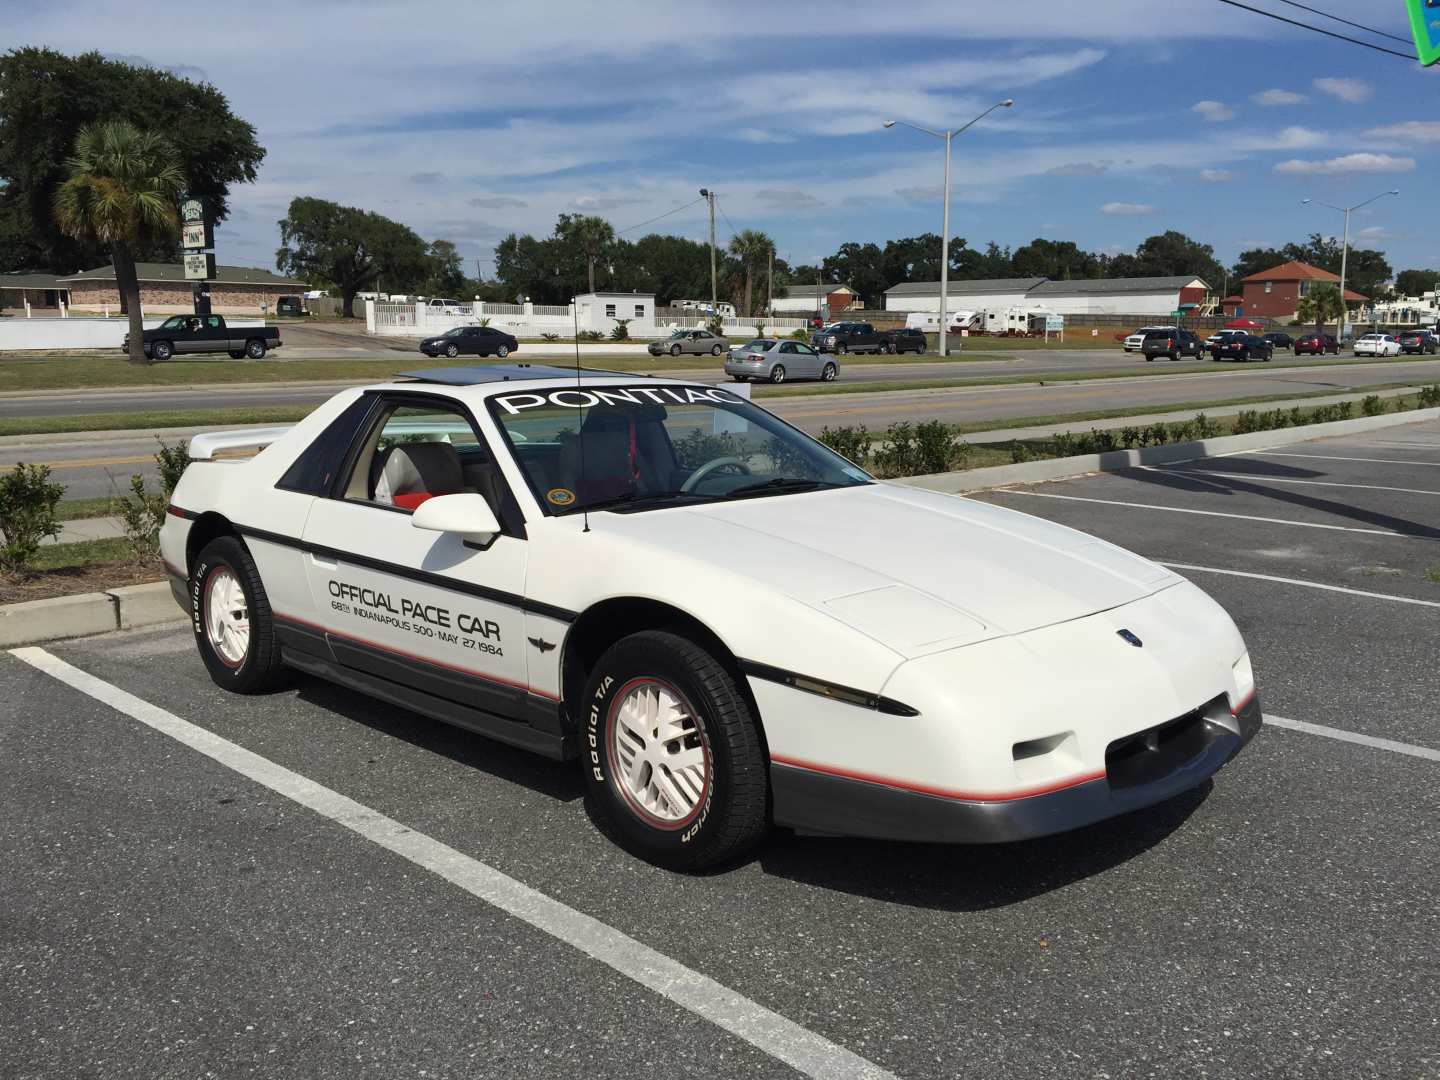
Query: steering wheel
[(693, 480)]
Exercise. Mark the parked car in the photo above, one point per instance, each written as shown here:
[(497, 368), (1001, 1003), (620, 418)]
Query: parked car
[(206, 333), (290, 305), (1418, 341), (695, 342), (1136, 341), (1280, 340), (1316, 345), (751, 632), (1243, 347), (776, 360), (448, 307), (843, 337), (1376, 345), (1171, 343), (906, 340), (471, 341), (1222, 336)]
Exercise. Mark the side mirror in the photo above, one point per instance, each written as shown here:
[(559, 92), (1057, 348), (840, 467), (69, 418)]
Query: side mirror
[(466, 513)]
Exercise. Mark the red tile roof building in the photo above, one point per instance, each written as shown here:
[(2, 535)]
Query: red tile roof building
[(1276, 293)]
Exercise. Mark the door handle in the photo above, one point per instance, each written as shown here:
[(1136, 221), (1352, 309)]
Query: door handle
[(324, 564)]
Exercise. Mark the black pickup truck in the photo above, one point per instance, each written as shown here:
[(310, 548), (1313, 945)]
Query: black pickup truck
[(206, 333), (843, 337)]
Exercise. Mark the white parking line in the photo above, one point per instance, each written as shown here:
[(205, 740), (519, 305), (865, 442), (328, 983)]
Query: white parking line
[(1337, 457), (801, 1049), (1278, 479), (1208, 513), (1306, 584), (1340, 734)]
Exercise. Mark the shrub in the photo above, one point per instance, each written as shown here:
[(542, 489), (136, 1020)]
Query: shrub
[(936, 449), (549, 337), (1372, 405), (760, 329), (1158, 434), (800, 335), (1429, 396), (1344, 410), (141, 514), (1063, 444), (1130, 438), (851, 443), (1206, 428), (621, 330), (171, 461), (27, 515), (1183, 431), (589, 335), (1297, 416), (484, 320), (1019, 452), (1247, 421)]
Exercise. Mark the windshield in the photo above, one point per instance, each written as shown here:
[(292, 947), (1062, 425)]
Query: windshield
[(645, 447), (760, 345), (453, 333), (679, 333)]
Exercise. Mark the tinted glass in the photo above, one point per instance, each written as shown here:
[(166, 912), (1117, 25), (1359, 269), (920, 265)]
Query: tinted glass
[(176, 323), (315, 470)]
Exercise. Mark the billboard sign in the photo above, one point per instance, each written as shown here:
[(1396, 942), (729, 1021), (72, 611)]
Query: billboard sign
[(1425, 22)]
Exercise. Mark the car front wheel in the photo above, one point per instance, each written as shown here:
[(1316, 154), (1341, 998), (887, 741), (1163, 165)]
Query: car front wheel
[(502, 351), (230, 616), (828, 373), (161, 350), (674, 760), (841, 349), (452, 351), (715, 350), (777, 373), (674, 350)]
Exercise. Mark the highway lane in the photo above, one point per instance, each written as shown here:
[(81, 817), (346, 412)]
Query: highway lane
[(98, 463)]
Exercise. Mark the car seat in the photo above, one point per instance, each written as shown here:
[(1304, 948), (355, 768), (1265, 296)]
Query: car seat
[(406, 474)]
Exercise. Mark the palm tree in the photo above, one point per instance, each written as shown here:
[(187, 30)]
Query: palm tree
[(594, 236), (1320, 305), (122, 192), (753, 249)]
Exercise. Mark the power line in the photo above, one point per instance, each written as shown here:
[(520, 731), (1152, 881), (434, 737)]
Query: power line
[(1328, 33), (1347, 22), (733, 231), (657, 217)]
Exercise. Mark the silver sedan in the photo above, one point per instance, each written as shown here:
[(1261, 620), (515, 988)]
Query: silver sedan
[(695, 342), (772, 360)]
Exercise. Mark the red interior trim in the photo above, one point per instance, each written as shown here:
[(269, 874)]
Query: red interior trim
[(411, 500), (943, 793)]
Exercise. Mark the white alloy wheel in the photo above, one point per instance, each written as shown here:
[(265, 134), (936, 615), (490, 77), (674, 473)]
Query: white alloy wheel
[(658, 753), (227, 618)]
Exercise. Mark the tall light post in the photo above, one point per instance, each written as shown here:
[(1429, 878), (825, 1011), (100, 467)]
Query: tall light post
[(945, 228), (709, 196), (1345, 248)]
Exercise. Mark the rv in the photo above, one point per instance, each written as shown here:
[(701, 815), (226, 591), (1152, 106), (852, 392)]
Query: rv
[(702, 307), (929, 321)]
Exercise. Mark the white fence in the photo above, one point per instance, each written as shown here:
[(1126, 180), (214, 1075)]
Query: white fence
[(21, 335), (534, 320)]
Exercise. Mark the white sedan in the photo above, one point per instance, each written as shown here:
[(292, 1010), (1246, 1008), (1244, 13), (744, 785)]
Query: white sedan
[(1377, 345), (726, 624)]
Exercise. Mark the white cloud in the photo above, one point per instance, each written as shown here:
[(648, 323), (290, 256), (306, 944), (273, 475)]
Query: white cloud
[(1353, 91), (1349, 165), (1080, 168), (497, 202), (1376, 232), (1213, 111), (1216, 176), (1270, 99), (760, 135), (787, 198), (1413, 131), (1127, 209)]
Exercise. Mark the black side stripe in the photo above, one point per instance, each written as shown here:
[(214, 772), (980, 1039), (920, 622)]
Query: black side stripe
[(833, 691), (439, 581)]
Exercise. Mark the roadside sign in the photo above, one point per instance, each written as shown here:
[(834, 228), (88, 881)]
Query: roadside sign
[(1054, 323), (1425, 22), (199, 266), (192, 209), (196, 234)]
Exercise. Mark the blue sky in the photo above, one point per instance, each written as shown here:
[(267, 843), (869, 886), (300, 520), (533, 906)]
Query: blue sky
[(469, 121)]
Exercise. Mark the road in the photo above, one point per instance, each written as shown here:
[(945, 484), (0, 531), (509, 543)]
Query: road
[(186, 894), (92, 466)]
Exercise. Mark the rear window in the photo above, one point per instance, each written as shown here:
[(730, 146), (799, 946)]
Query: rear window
[(315, 470)]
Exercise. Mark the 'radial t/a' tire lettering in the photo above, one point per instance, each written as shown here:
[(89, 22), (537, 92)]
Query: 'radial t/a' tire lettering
[(672, 753), (230, 616)]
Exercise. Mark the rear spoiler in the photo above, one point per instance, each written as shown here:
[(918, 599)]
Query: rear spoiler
[(205, 447)]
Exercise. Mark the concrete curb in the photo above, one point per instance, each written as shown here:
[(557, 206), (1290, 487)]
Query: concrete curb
[(125, 608), (1037, 472)]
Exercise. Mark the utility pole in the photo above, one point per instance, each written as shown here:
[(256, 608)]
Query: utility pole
[(770, 288), (1344, 260), (945, 252), (709, 197)]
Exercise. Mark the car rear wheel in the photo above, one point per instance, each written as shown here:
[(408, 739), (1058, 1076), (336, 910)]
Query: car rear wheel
[(162, 350), (841, 349), (777, 373), (237, 354), (674, 350), (675, 763), (230, 616), (828, 372), (502, 351), (715, 350), (452, 350), (255, 349)]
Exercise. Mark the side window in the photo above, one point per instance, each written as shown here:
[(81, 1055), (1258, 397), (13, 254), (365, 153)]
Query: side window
[(787, 347), (175, 323), (610, 311), (639, 311), (315, 470), (805, 349), (213, 322), (417, 451)]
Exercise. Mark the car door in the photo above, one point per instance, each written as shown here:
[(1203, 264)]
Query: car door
[(472, 340), (432, 612), (807, 361)]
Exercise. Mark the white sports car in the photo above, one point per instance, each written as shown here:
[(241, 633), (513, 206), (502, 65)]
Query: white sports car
[(725, 622)]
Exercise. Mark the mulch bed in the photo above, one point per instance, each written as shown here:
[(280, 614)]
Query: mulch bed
[(80, 579)]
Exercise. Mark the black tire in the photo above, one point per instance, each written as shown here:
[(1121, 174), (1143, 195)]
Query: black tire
[(739, 378), (260, 668), (1174, 357), (1149, 358), (255, 349), (730, 813), (715, 350), (162, 350), (237, 354), (452, 350), (841, 348), (502, 351), (777, 373), (674, 350), (828, 372)]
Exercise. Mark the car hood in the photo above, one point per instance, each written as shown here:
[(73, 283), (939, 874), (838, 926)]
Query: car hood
[(916, 570)]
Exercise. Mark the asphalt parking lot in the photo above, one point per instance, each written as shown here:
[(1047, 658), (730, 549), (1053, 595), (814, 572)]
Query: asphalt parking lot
[(175, 907)]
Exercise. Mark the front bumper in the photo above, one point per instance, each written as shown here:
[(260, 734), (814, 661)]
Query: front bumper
[(826, 803)]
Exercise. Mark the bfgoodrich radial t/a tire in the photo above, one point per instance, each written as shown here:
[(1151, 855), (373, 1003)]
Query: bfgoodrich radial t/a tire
[(671, 752), (230, 616)]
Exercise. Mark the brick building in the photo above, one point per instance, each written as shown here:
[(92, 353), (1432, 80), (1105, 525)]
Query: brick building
[(1276, 293), (43, 292), (236, 290)]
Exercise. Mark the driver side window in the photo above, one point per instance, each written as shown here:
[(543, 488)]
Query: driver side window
[(418, 451)]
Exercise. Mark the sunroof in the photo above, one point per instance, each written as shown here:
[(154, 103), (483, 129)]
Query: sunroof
[(489, 373)]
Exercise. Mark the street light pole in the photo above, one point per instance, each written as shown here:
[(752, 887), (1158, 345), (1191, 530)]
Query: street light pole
[(709, 197), (1345, 250), (947, 136)]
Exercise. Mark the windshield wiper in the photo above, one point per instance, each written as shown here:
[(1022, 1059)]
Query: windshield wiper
[(634, 500), (778, 485)]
